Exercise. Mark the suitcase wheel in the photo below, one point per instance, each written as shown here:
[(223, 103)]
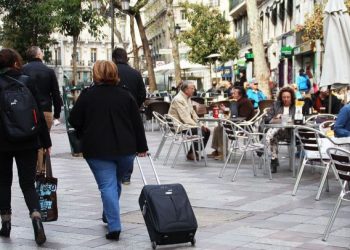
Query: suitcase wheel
[(154, 245), (193, 241)]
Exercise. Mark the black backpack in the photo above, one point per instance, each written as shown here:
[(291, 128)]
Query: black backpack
[(18, 109)]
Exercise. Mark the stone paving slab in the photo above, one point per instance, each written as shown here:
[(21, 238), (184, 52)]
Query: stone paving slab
[(250, 213)]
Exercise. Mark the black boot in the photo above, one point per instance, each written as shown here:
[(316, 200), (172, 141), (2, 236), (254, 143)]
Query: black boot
[(38, 227), (113, 235), (5, 229), (274, 164), (5, 223)]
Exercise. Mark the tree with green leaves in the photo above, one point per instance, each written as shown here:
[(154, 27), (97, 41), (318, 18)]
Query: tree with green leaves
[(74, 16), (26, 23), (209, 34), (134, 12)]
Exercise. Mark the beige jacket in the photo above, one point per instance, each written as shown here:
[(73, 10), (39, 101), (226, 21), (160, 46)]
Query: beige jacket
[(181, 108)]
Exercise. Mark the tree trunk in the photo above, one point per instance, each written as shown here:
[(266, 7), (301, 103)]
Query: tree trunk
[(147, 53), (74, 60), (174, 41), (135, 50), (261, 70)]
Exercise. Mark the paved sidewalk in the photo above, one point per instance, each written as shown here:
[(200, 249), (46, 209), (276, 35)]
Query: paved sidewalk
[(250, 213)]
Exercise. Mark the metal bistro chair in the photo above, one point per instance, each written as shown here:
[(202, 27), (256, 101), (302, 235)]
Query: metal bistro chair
[(243, 141), (159, 106), (166, 133), (340, 162), (319, 118), (313, 144), (182, 134)]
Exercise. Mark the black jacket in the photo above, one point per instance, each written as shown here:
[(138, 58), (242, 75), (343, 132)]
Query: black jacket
[(108, 120), (132, 80), (46, 83), (43, 138)]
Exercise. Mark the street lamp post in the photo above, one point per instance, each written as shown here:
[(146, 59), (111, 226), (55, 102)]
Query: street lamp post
[(125, 6)]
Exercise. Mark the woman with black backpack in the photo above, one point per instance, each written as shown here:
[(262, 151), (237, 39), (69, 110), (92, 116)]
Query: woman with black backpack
[(22, 132)]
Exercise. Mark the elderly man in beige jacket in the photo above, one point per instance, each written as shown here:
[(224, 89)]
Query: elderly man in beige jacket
[(181, 108)]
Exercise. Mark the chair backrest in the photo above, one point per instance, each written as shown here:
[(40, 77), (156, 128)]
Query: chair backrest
[(340, 158), (161, 120), (234, 130), (319, 118), (312, 141), (263, 104), (174, 125)]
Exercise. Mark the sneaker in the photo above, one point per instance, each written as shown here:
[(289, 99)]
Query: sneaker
[(274, 164)]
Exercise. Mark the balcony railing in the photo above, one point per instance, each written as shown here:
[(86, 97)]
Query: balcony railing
[(235, 3)]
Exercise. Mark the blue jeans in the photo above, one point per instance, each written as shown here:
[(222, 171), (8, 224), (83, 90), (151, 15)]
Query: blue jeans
[(108, 173)]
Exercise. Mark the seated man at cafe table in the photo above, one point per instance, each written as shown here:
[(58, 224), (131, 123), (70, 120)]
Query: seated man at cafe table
[(342, 125), (241, 106), (181, 108), (285, 105)]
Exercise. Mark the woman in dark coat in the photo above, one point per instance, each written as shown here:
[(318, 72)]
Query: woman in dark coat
[(108, 120), (24, 151)]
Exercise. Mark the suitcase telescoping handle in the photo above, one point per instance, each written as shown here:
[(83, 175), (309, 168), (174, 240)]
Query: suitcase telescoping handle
[(141, 171)]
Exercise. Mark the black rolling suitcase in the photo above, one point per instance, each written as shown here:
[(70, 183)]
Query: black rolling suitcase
[(167, 212)]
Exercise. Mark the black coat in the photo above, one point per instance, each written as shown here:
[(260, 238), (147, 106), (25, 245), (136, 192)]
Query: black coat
[(108, 121), (46, 83), (132, 80), (42, 140)]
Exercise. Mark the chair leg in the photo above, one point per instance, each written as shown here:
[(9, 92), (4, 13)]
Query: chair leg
[(332, 218), (238, 165), (227, 159), (177, 154), (323, 179), (299, 177), (253, 160), (160, 147), (168, 154)]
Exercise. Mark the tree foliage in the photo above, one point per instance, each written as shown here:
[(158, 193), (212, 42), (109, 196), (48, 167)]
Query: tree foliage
[(26, 23), (313, 27), (208, 35)]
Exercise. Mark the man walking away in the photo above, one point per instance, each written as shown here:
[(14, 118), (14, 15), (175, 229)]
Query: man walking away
[(46, 84), (132, 80)]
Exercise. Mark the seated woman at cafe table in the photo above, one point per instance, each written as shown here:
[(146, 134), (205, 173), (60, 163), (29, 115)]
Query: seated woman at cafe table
[(342, 125), (285, 105), (241, 106)]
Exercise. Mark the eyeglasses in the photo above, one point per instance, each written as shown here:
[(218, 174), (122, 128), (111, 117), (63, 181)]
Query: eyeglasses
[(256, 83)]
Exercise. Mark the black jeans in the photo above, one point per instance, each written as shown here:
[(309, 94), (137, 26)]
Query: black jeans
[(26, 166), (205, 134)]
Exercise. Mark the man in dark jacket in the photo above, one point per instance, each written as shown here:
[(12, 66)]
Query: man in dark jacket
[(46, 85), (132, 80)]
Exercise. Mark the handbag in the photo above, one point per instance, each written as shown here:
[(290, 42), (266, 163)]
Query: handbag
[(46, 188)]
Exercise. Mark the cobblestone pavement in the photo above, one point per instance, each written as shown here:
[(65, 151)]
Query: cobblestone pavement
[(250, 213)]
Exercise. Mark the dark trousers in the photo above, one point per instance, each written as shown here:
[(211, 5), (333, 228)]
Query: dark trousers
[(205, 134), (26, 167)]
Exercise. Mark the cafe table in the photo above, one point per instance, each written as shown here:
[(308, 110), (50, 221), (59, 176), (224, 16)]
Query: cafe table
[(219, 122)]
